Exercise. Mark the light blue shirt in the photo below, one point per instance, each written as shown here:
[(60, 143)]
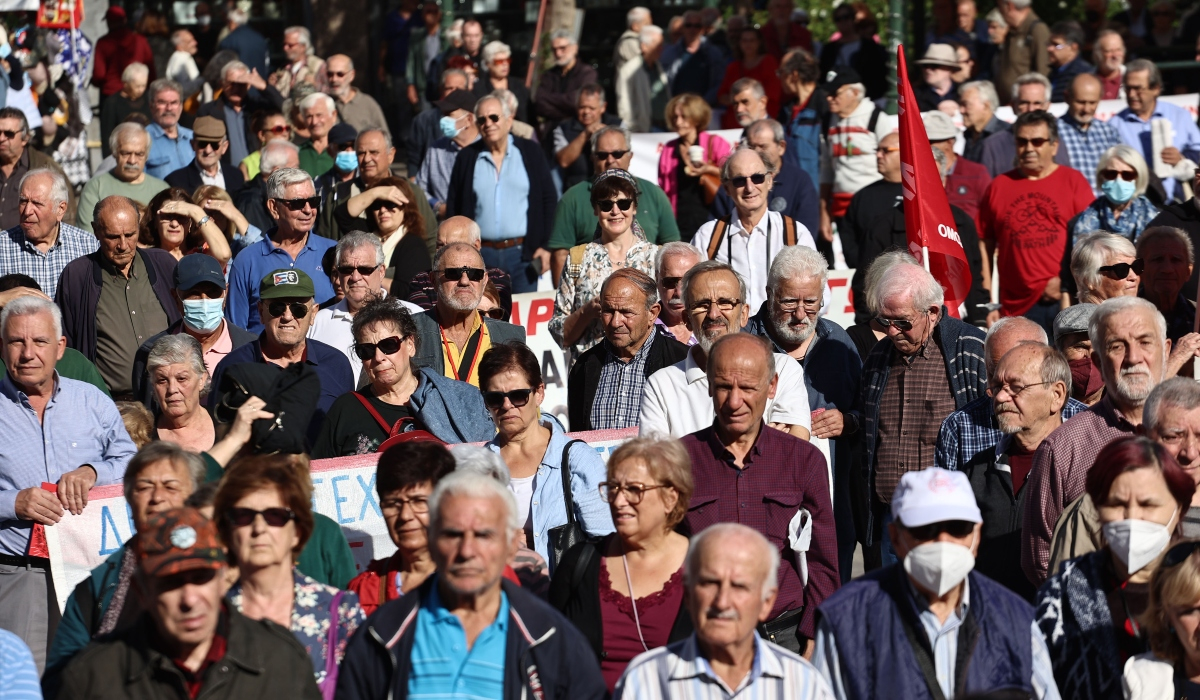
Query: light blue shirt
[(1136, 133), (441, 665), (502, 200), (434, 175), (168, 154), (259, 259), (18, 673), (548, 508), (235, 127), (80, 425)]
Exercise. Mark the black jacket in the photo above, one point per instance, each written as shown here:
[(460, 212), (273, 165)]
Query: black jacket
[(585, 375), (252, 202), (999, 555), (188, 178), (544, 657), (461, 201), (1185, 216), (143, 389), (251, 103)]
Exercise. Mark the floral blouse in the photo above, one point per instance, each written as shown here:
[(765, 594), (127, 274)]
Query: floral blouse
[(310, 618)]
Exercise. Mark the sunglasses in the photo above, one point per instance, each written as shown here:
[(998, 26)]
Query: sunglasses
[(501, 61), (454, 274), (899, 324), (740, 181), (956, 528), (10, 135), (380, 206), (495, 399), (364, 270), (496, 313), (276, 308), (387, 346), (275, 517), (1035, 142), (1121, 270), (299, 204), (607, 205), (279, 129), (1179, 553), (670, 282), (336, 74), (605, 155), (483, 119), (205, 145), (1126, 175)]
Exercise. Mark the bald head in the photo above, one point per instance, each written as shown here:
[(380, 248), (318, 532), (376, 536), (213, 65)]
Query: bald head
[(1006, 334), (742, 349), (1083, 97), (458, 229)]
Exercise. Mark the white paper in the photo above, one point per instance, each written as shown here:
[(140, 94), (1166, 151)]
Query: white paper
[(1162, 135), (800, 539)]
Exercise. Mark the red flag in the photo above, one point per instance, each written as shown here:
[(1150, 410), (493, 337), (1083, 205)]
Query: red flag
[(932, 237)]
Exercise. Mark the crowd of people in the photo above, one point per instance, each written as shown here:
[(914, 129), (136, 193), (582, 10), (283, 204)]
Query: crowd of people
[(272, 265)]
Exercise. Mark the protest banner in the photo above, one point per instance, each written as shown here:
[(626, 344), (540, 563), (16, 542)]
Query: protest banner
[(533, 311)]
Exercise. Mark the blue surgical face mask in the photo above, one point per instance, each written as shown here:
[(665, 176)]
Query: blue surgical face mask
[(5, 51), (449, 127), (1118, 191), (346, 161), (203, 315)]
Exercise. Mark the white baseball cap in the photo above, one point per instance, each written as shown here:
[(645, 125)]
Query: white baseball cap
[(934, 496)]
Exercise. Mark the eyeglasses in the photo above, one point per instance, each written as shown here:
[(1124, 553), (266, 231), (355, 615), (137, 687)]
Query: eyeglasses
[(1126, 175), (1179, 553), (703, 305), (275, 517), (495, 312), (517, 397), (364, 270), (336, 74), (387, 346), (418, 504), (501, 61), (279, 129), (892, 149), (10, 135), (299, 204), (454, 274), (634, 493), (740, 181), (482, 119), (955, 528), (1035, 142), (670, 282), (607, 204), (1014, 390), (1121, 270), (276, 308), (900, 324), (793, 304)]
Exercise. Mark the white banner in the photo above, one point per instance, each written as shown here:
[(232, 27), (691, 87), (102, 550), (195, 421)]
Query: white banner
[(533, 310)]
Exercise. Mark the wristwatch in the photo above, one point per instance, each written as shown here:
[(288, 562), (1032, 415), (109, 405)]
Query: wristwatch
[(203, 221)]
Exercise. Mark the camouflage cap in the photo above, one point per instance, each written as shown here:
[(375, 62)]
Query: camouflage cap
[(178, 540)]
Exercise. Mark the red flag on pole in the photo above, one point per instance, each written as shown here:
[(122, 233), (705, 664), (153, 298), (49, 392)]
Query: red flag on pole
[(932, 237)]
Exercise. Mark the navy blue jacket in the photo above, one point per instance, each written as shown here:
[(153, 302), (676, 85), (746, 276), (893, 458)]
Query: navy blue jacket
[(250, 46), (803, 134), (188, 178), (794, 194)]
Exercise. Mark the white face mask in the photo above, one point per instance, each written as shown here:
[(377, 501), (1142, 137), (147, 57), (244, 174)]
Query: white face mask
[(1137, 542), (939, 566)]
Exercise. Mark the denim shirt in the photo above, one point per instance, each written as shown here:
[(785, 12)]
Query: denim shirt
[(168, 154), (548, 506)]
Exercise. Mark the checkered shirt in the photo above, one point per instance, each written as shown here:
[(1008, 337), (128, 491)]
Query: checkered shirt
[(973, 429), (619, 393), (18, 255), (1085, 147)]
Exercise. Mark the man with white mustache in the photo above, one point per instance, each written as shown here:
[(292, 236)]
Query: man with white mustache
[(673, 261), (1130, 346), (131, 147)]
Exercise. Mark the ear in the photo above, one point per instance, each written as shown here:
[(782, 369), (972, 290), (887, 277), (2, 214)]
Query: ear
[(655, 310), (273, 209), (774, 383), (769, 600), (744, 316)]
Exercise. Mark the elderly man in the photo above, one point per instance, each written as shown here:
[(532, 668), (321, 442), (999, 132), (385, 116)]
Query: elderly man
[(1024, 49), (118, 297), (559, 89), (426, 127), (572, 137), (502, 183), (675, 399), (1130, 346), (1185, 217), (747, 104), (746, 239), (1024, 219), (58, 430), (170, 143), (934, 359), (354, 106), (978, 102), (1169, 258), (320, 114), (938, 67), (210, 142), (303, 66), (130, 146), (1176, 162), (628, 47), (748, 473), (1085, 137), (731, 574), (41, 245), (885, 633), (642, 87), (671, 263), (1030, 94), (291, 244), (434, 175), (188, 633), (453, 334), (606, 381), (1071, 339), (965, 181), (1063, 50), (243, 93), (252, 200), (16, 160), (794, 193), (1109, 55), (422, 290)]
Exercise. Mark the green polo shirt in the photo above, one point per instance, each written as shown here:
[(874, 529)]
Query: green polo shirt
[(575, 221), (312, 162)]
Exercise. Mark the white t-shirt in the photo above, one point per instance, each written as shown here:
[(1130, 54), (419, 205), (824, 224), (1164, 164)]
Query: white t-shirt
[(522, 488)]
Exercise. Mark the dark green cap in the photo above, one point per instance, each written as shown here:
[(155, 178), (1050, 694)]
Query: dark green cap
[(287, 283)]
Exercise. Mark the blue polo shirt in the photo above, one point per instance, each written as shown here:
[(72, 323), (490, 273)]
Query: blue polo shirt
[(441, 665), (259, 259), (502, 202), (168, 154)]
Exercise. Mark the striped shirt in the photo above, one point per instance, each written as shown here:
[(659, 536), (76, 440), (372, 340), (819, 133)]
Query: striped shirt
[(444, 667), (973, 429), (18, 674), (679, 672), (19, 255), (619, 391)]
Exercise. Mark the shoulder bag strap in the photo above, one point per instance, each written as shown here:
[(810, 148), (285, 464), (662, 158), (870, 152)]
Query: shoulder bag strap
[(917, 640), (564, 469), (789, 230), (387, 427), (714, 244)]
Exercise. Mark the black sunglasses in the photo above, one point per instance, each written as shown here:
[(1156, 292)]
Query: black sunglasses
[(454, 274), (482, 119), (298, 204), (670, 282), (364, 270), (495, 312), (387, 346), (495, 399), (607, 204), (1126, 175), (899, 324), (1035, 142), (1179, 553), (956, 528), (385, 204), (740, 181), (275, 517), (10, 135), (276, 308), (1121, 270), (605, 155), (202, 145)]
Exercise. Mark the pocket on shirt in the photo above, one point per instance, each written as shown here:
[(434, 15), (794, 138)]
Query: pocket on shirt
[(702, 512), (781, 507), (82, 450)]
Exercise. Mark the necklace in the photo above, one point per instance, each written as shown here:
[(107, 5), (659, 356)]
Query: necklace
[(633, 600)]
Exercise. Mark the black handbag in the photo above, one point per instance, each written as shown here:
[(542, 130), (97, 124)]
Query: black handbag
[(563, 537)]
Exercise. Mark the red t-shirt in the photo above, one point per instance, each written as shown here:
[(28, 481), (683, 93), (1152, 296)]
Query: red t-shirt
[(1027, 220), (765, 74)]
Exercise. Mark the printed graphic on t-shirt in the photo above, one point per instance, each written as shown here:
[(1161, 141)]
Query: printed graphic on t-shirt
[(1034, 221)]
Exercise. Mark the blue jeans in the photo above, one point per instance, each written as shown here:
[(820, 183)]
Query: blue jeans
[(509, 260), (1043, 313)]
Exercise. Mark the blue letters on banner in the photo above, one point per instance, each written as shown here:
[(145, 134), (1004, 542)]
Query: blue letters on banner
[(107, 521), (368, 497), (339, 499)]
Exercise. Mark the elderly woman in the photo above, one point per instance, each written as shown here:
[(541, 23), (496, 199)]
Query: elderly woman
[(621, 243), (1168, 256), (752, 62), (180, 382), (404, 479), (1171, 669), (217, 203), (1123, 207), (496, 58), (648, 487), (678, 173), (1089, 610), (398, 398), (172, 223), (263, 510), (391, 209), (131, 99), (536, 449), (1105, 265)]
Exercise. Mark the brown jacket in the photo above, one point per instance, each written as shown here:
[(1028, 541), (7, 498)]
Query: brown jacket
[(1024, 51), (1076, 533)]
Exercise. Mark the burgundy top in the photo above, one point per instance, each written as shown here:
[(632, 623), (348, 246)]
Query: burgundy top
[(656, 612)]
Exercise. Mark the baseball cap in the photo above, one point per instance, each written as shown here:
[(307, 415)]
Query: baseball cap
[(934, 495), (208, 129), (939, 126), (178, 540), (342, 133), (840, 77), (196, 269), (114, 13), (459, 99), (286, 284), (1073, 319)]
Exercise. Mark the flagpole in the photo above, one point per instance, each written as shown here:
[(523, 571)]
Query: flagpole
[(925, 254)]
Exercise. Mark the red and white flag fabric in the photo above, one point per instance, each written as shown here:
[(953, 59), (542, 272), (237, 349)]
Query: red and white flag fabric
[(932, 237)]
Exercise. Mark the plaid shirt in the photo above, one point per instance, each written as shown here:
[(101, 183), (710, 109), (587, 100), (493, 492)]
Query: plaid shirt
[(967, 432), (1084, 147), (18, 255), (780, 475), (619, 393)]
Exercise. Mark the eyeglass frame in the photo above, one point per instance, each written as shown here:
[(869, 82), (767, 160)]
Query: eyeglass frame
[(1013, 391), (605, 486)]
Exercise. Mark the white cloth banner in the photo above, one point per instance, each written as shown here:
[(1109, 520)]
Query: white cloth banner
[(533, 310)]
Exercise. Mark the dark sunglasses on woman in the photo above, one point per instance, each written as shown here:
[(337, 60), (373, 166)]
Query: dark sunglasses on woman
[(1126, 175), (388, 346), (607, 205), (1121, 270), (275, 517), (495, 399)]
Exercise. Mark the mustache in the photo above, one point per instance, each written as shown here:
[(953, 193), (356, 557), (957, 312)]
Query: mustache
[(730, 614)]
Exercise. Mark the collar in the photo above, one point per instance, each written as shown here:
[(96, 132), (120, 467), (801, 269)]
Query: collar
[(10, 390), (136, 271), (306, 358), (476, 320), (691, 371), (1106, 405), (720, 450), (267, 246), (763, 225), (1130, 116), (440, 614), (610, 356), (922, 604), (692, 664), (30, 246)]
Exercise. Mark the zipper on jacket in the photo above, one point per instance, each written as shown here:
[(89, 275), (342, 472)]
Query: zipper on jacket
[(391, 659)]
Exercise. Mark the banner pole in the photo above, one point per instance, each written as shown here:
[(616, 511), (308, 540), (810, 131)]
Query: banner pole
[(925, 254)]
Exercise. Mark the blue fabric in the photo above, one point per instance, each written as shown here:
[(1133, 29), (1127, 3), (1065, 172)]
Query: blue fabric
[(259, 259), (168, 154), (235, 126), (794, 186), (803, 134), (80, 425), (251, 48), (501, 203), (18, 672), (1099, 217), (396, 33), (1136, 133), (451, 410), (512, 261), (1085, 147), (443, 666), (972, 429), (699, 73)]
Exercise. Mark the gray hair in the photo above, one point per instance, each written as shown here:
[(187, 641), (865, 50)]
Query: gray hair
[(691, 564), (472, 484), (304, 34), (282, 178), (176, 40), (162, 451), (181, 349), (59, 190), (563, 34), (625, 134), (645, 283), (309, 102), (650, 34), (1055, 368), (685, 285), (134, 70), (859, 88), (387, 138), (1154, 233), (1114, 306), (493, 49), (473, 458), (355, 240), (726, 166), (797, 262), (1180, 392), (878, 268), (123, 132), (907, 277), (1130, 157), (986, 90), (230, 67), (940, 158), (1089, 255), (744, 84), (1001, 327), (673, 249), (504, 107), (30, 306), (237, 17), (1139, 65), (164, 85), (777, 131), (508, 98), (1020, 3), (456, 72), (274, 155), (1031, 79), (636, 15)]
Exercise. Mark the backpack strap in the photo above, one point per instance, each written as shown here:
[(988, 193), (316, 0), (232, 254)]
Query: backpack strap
[(718, 234), (789, 229), (874, 120)]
